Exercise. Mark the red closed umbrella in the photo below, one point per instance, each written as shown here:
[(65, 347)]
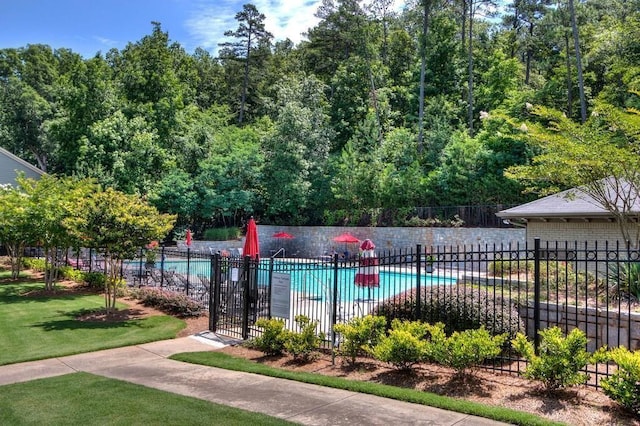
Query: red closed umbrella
[(188, 238), (368, 274), (251, 245)]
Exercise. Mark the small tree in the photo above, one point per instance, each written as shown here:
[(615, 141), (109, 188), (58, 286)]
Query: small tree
[(48, 204), (119, 224), (13, 225), (598, 158)]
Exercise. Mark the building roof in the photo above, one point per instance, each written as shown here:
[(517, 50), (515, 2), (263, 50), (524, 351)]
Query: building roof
[(573, 203), (10, 163)]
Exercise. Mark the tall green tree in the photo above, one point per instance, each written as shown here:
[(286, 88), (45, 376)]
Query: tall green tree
[(251, 35), (296, 151)]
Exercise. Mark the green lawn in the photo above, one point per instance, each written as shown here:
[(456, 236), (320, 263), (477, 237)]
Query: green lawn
[(41, 327), (85, 399)]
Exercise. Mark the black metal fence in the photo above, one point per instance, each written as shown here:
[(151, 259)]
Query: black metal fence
[(506, 288)]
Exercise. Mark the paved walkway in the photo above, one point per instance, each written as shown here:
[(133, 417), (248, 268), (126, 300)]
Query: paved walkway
[(302, 403)]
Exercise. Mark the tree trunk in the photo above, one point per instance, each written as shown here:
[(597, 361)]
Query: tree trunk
[(427, 4), (529, 55), (569, 88), (245, 82), (470, 70), (576, 43)]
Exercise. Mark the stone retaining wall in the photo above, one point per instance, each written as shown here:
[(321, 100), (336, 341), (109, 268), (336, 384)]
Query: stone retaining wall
[(601, 327), (312, 241)]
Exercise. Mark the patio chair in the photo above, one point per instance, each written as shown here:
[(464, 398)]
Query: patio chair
[(202, 289)]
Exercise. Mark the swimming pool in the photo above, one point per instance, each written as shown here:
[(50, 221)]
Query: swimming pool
[(316, 281)]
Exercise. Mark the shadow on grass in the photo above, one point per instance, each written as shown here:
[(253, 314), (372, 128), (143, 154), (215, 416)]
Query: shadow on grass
[(99, 323)]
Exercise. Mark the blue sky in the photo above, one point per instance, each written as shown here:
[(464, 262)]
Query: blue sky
[(89, 26)]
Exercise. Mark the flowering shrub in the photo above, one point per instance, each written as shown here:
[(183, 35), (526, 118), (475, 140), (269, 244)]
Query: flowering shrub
[(459, 307), (169, 302)]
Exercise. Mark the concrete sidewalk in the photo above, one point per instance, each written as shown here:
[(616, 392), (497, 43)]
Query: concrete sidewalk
[(147, 365)]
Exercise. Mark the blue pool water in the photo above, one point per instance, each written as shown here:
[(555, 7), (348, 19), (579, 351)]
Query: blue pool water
[(317, 281)]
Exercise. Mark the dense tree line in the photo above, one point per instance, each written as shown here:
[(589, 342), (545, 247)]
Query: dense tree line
[(374, 111)]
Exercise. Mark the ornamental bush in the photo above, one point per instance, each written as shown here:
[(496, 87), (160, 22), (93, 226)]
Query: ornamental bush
[(360, 335), (462, 350), (404, 346), (560, 360), (623, 386), (271, 341), (96, 280), (303, 345), (169, 302), (459, 307)]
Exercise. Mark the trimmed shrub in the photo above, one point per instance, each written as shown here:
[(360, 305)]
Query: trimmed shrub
[(560, 358), (623, 386), (271, 341), (169, 302), (70, 273), (459, 307), (96, 280), (360, 335), (462, 350), (34, 263), (404, 346), (303, 345)]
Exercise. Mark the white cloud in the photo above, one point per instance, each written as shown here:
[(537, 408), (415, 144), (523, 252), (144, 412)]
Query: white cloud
[(284, 19)]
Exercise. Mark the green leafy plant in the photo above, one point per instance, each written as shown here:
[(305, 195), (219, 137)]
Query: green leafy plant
[(623, 386), (151, 253), (34, 263), (360, 335), (70, 273), (303, 345), (404, 345), (95, 280), (462, 350), (560, 359), (503, 268), (627, 278), (272, 339)]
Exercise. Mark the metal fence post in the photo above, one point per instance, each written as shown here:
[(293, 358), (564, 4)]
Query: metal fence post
[(246, 302), (334, 303), (418, 279), (162, 254), (188, 269), (214, 292), (536, 294)]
